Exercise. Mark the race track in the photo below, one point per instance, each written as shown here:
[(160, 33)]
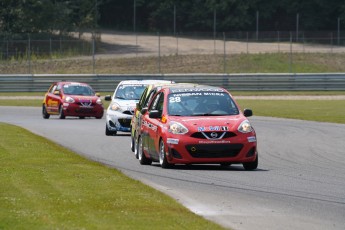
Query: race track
[(300, 182)]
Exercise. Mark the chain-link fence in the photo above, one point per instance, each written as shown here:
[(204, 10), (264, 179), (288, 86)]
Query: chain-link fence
[(117, 53)]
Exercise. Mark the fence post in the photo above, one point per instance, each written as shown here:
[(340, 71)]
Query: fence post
[(7, 54), (29, 53), (290, 58), (50, 47), (331, 42), (338, 31), (247, 43), (278, 39), (257, 25), (136, 45), (176, 44), (159, 53), (93, 53), (224, 52)]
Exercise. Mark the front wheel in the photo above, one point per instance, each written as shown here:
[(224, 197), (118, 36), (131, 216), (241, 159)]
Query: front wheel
[(251, 165), (61, 114), (133, 143), (109, 132), (143, 160), (162, 156), (45, 114)]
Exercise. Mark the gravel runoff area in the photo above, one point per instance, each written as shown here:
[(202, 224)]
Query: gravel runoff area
[(129, 45)]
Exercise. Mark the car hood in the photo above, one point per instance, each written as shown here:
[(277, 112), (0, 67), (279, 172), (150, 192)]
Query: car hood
[(211, 123), (79, 98), (126, 103)]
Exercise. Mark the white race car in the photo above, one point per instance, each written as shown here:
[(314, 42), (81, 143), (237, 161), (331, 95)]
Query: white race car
[(123, 103)]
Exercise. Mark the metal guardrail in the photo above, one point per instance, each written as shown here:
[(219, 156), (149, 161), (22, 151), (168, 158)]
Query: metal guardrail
[(108, 82)]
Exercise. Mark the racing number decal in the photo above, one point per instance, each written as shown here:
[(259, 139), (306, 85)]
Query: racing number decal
[(174, 99)]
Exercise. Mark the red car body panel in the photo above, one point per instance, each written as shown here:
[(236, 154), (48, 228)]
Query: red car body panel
[(82, 105), (227, 144)]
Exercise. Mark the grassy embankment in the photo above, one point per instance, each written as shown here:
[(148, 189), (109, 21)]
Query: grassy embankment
[(45, 186)]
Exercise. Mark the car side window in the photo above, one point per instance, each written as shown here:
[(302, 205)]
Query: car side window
[(147, 100), (52, 89), (142, 99), (157, 103)]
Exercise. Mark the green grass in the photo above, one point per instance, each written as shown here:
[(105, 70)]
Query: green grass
[(45, 186), (313, 110), (197, 63), (283, 63)]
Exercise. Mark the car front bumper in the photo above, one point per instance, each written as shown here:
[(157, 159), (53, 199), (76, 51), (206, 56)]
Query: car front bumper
[(70, 109), (188, 150), (118, 121)]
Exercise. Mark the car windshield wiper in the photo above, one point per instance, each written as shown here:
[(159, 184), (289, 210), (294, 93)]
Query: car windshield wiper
[(209, 114), (118, 97)]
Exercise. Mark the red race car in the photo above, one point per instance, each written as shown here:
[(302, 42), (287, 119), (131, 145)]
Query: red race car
[(72, 99), (196, 124)]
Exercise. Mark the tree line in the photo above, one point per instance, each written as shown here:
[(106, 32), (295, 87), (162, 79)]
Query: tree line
[(33, 16)]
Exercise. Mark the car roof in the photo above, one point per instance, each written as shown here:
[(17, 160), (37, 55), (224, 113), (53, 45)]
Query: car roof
[(189, 87), (143, 82), (71, 83)]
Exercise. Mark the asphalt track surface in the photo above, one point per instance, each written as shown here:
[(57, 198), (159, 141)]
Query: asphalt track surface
[(300, 182)]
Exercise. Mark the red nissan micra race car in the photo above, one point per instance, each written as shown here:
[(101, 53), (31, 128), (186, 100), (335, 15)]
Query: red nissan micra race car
[(72, 99), (196, 124)]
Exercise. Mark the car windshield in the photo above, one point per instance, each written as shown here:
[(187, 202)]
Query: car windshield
[(77, 89), (201, 104), (129, 92)]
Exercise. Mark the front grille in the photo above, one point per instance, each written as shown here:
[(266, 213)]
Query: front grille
[(85, 110), (214, 150), (175, 153), (85, 103), (209, 135), (124, 122), (128, 112)]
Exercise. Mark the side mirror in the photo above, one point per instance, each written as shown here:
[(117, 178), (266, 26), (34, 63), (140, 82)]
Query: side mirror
[(248, 112), (98, 94), (56, 92), (107, 98), (143, 110), (155, 114)]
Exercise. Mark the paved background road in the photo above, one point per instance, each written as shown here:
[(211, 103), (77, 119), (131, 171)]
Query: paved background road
[(300, 183)]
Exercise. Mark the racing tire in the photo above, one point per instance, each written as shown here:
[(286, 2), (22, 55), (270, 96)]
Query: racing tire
[(109, 132), (45, 114), (136, 146), (81, 117), (162, 156), (143, 160), (61, 114), (132, 143), (251, 165)]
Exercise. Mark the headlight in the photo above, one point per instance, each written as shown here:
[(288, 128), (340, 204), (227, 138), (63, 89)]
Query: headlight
[(177, 128), (69, 100), (99, 101), (245, 127), (115, 107)]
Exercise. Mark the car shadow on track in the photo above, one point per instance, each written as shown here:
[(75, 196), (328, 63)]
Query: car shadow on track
[(211, 167)]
